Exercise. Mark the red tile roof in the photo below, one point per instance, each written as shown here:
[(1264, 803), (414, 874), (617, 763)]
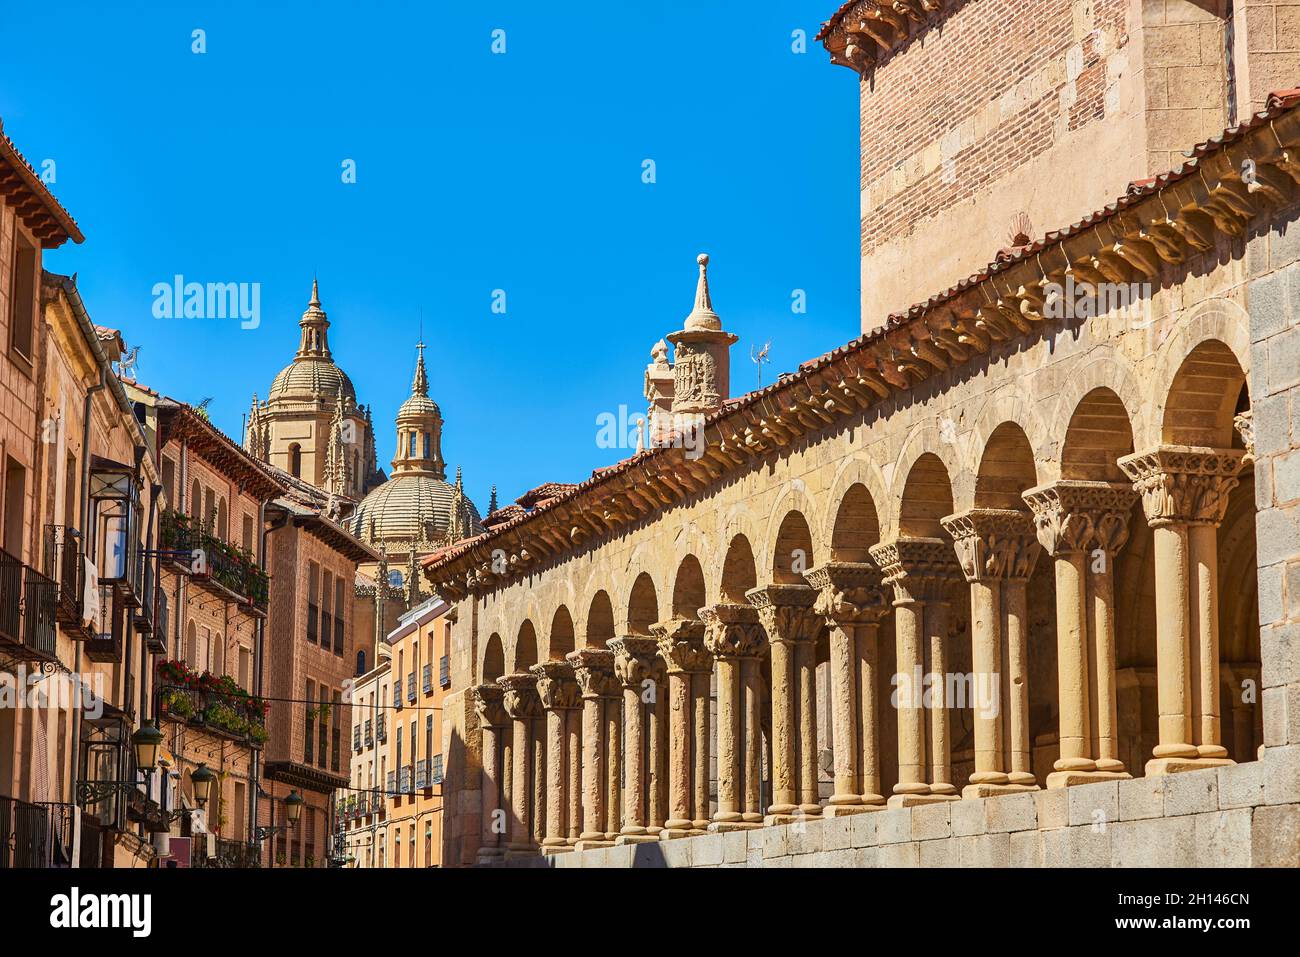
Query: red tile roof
[(40, 211)]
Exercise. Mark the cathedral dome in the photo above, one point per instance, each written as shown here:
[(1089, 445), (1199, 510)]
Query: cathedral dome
[(312, 377), (414, 508)]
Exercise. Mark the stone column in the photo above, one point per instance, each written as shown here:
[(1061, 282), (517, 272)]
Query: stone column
[(639, 670), (558, 690), (573, 751), (594, 670), (701, 698), (1082, 525), (492, 719), (614, 763), (1184, 493), (852, 600), (523, 706), (996, 551), (734, 637), (922, 572), (681, 646), (786, 614)]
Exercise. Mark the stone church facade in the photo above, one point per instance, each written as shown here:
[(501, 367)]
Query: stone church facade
[(1011, 578)]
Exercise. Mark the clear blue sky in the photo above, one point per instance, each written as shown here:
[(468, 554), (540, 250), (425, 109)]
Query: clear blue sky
[(475, 172)]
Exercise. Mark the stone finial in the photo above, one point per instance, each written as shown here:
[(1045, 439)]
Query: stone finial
[(420, 382), (315, 294), (702, 317)]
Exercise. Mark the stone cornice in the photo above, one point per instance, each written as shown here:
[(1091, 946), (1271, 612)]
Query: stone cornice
[(1157, 225), (993, 543), (1183, 484)]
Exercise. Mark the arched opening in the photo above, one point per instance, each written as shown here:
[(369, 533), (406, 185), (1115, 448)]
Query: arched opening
[(561, 640), (792, 553), (223, 520), (738, 571), (525, 648), (927, 498), (642, 606), (361, 662), (494, 659), (295, 460), (857, 526), (600, 621), (688, 589)]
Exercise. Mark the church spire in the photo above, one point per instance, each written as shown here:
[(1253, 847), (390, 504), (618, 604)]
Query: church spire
[(703, 316), (315, 329), (419, 428), (420, 383)]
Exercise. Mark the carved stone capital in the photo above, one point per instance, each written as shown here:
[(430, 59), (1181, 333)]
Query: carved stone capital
[(636, 660), (993, 544), (733, 631), (1182, 484), (1244, 423), (488, 706), (918, 569), (594, 670), (786, 612), (557, 686), (520, 698), (1074, 516), (681, 645), (849, 593)]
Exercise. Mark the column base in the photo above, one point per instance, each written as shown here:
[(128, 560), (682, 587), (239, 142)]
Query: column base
[(722, 827), (701, 825), (552, 849), (1160, 766), (673, 833), (1068, 779), (636, 839), (585, 845), (489, 856), (972, 791), (846, 810), (521, 852), (811, 810), (914, 800)]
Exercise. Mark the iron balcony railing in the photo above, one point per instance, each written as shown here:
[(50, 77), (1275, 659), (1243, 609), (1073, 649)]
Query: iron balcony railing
[(391, 783), (234, 570), (11, 590), (35, 835), (381, 732), (404, 781), (28, 602), (63, 564)]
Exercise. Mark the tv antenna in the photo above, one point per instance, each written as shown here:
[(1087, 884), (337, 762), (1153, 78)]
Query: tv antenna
[(760, 358)]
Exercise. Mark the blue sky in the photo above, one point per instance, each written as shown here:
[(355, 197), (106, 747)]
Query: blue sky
[(475, 172)]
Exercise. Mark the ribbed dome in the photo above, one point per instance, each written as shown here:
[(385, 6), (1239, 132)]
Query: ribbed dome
[(313, 377), (411, 507), (418, 405)]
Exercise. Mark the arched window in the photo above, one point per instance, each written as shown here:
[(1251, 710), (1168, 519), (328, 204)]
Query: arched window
[(295, 460), (196, 500), (361, 662), (414, 451), (223, 520), (426, 445), (191, 651)]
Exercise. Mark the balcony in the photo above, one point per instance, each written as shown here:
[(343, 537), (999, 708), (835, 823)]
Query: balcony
[(229, 855), (105, 642), (391, 783), (421, 775), (64, 564), (410, 687), (435, 770), (156, 639), (356, 738), (397, 694), (217, 705), (228, 571), (35, 835), (28, 602), (444, 671), (427, 678)]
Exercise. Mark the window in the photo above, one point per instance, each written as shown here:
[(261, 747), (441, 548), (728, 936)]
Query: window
[(23, 310), (310, 739), (361, 662), (245, 668), (428, 844), (15, 493), (428, 735), (191, 654), (209, 517), (246, 539), (169, 479), (295, 460), (312, 619), (339, 605), (196, 501), (223, 520)]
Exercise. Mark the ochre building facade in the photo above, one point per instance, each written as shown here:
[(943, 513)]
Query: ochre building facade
[(1020, 558)]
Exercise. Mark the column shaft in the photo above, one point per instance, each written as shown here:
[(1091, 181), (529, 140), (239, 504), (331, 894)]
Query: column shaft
[(1203, 565), (784, 730), (936, 624), (844, 712), (908, 617), (634, 793), (805, 662), (1173, 678), (1072, 663), (1016, 682), (701, 728), (986, 653), (556, 779)]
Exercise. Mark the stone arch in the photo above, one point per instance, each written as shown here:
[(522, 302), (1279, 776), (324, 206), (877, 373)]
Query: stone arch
[(1006, 469), (1099, 433), (861, 471), (561, 639), (857, 526), (1203, 396), (494, 659), (1219, 320), (739, 520), (689, 591), (1008, 405), (792, 549), (738, 573), (1111, 372), (926, 498), (642, 606), (525, 647), (939, 449), (600, 621)]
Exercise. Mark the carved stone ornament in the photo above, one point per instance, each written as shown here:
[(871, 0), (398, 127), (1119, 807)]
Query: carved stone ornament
[(520, 699), (1074, 516), (786, 612), (733, 631), (993, 543), (681, 645), (1182, 484), (557, 686), (488, 705), (918, 569), (636, 660), (594, 670), (849, 593)]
